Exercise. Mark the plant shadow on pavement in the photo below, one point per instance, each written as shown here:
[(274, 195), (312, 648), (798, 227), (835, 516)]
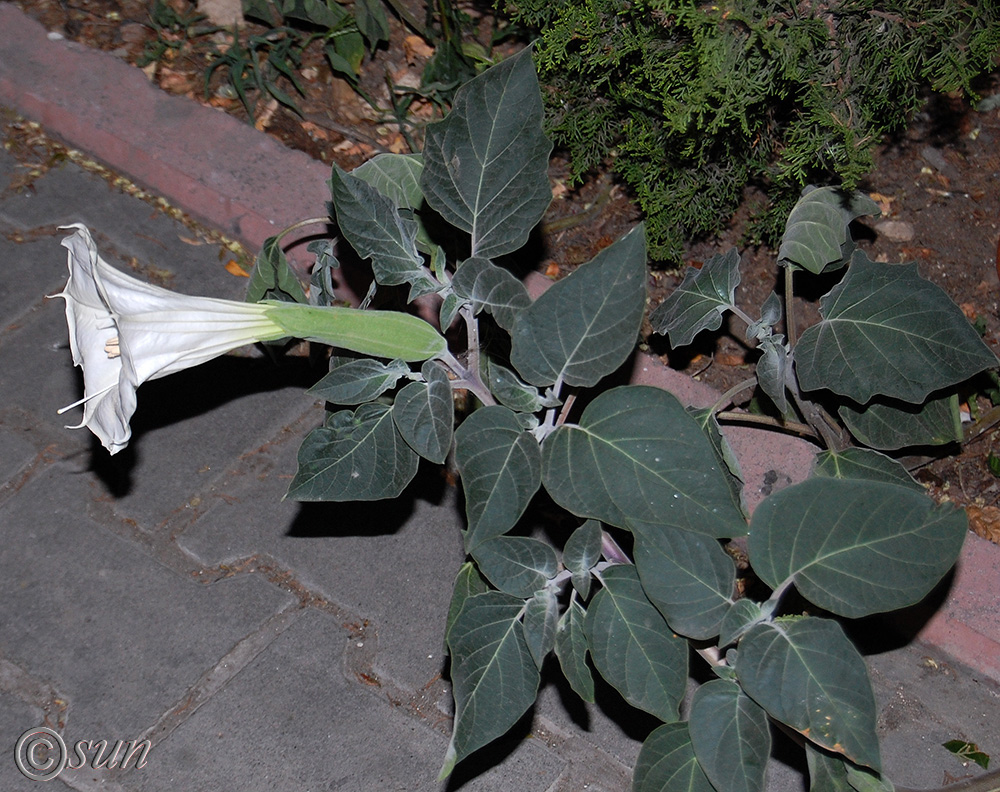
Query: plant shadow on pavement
[(206, 388), (369, 518)]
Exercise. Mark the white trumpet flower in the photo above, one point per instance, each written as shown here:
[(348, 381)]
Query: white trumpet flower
[(123, 332)]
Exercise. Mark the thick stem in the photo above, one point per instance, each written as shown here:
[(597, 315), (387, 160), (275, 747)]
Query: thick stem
[(468, 380), (766, 420), (790, 329)]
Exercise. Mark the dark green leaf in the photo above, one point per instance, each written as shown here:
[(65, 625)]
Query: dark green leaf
[(494, 680), (317, 12), (633, 647), (700, 301), (855, 547), (486, 163), (541, 617), (517, 565), (729, 464), (371, 20), (862, 463), (357, 381), (450, 307), (774, 369), (970, 751), (491, 288), (396, 176), (730, 736), (770, 315), (272, 278), (508, 389), (993, 463), (740, 617), (638, 460), (688, 577), (357, 455), (468, 583), (375, 229), (807, 674), (571, 651), (667, 763), (581, 552), (425, 413), (816, 230), (585, 325), (890, 424), (862, 779), (500, 465), (887, 331), (827, 771)]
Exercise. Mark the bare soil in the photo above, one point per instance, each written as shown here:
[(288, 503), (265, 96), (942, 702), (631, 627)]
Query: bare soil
[(936, 185)]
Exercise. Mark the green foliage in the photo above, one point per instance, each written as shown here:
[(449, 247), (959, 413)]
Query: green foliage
[(635, 467), (692, 101)]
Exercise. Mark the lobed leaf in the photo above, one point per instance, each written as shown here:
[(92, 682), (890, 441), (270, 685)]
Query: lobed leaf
[(571, 651), (688, 577), (360, 380), (887, 331), (541, 618), (816, 230), (357, 455), (585, 326), (807, 674), (638, 460), (272, 278), (889, 425), (494, 678), (468, 583), (730, 736), (508, 389), (632, 646), (396, 176), (855, 547), (486, 163), (862, 463), (581, 552), (492, 289), (500, 466), (424, 413), (517, 565), (667, 763), (700, 301), (377, 231)]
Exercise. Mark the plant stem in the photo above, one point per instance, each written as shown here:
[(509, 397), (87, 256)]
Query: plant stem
[(766, 420), (467, 379), (790, 329), (564, 412), (611, 550), (727, 397)]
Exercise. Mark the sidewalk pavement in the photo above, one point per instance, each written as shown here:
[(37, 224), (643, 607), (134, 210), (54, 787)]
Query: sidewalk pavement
[(169, 593)]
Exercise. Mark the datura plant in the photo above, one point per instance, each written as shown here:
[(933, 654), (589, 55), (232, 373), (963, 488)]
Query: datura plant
[(641, 569)]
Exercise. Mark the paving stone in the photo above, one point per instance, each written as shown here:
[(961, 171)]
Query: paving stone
[(187, 426), (16, 717), (120, 635), (393, 562), (316, 730), (31, 271)]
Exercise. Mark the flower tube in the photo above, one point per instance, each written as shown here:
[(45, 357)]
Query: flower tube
[(123, 332)]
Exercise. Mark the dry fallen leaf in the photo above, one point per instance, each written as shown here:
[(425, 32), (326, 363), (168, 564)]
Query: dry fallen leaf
[(235, 269), (415, 47), (985, 521)]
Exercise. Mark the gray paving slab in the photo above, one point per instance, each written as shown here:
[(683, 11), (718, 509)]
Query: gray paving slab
[(292, 721), (16, 717), (120, 635)]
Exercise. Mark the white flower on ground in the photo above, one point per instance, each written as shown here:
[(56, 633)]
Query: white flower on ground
[(123, 332)]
